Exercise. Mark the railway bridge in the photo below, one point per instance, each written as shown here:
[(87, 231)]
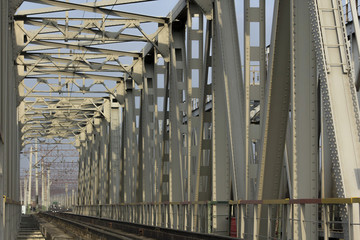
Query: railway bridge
[(197, 122)]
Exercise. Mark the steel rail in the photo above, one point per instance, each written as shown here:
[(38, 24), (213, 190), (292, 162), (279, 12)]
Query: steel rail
[(138, 231), (88, 227)]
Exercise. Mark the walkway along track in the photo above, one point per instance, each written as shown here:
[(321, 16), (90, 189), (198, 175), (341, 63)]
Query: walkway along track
[(29, 229), (87, 227)]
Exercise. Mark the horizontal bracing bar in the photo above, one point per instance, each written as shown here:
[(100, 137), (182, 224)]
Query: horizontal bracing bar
[(66, 100), (79, 61), (80, 100), (73, 73), (56, 45), (49, 129), (104, 3), (95, 40), (61, 131), (71, 99), (30, 124), (28, 141), (60, 109), (44, 122), (40, 118), (64, 6), (108, 22), (64, 92), (52, 135), (50, 68), (79, 118), (75, 30), (45, 108), (72, 54)]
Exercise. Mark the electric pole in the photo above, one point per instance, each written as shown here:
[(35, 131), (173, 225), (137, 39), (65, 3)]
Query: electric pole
[(48, 187), (25, 191), (30, 171), (36, 176), (43, 203)]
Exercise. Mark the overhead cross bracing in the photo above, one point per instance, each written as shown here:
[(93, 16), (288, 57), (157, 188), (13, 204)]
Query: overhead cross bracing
[(63, 58), (180, 126)]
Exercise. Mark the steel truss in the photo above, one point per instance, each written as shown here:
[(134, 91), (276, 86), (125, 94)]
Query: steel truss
[(179, 134)]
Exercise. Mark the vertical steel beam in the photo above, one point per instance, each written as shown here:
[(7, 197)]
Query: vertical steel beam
[(104, 154), (115, 152), (177, 129), (220, 155), (148, 126), (96, 160), (228, 136), (137, 163), (122, 156), (254, 83), (129, 137), (162, 217), (82, 153), (88, 163), (3, 101), (92, 142), (195, 55), (276, 109), (304, 121), (164, 172), (202, 166), (254, 91), (140, 160), (158, 113), (30, 176), (228, 70)]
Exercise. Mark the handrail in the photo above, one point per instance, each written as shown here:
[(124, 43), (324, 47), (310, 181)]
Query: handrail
[(10, 201), (245, 202)]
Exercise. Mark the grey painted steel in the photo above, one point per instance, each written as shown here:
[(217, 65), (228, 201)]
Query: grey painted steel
[(276, 110), (9, 134), (356, 49), (115, 152), (229, 70), (304, 122), (277, 104), (180, 121), (129, 146), (254, 85), (176, 128), (339, 99)]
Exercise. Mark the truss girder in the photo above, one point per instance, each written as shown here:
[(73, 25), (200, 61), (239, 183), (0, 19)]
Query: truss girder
[(176, 121), (46, 117)]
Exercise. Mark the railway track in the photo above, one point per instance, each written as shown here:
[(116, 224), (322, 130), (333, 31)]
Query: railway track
[(85, 227)]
